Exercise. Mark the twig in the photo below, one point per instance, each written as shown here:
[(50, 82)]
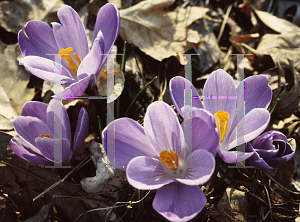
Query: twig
[(280, 184), (85, 161), (212, 19), (129, 203), (224, 22), (254, 195), (114, 206), (265, 217), (139, 93), (267, 192)]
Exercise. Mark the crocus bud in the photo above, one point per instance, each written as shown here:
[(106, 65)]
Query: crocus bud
[(270, 149)]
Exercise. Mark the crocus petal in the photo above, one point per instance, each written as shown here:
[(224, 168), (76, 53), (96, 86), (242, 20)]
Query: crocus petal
[(71, 32), (48, 70), (26, 154), (233, 156), (253, 124), (288, 154), (257, 93), (91, 63), (39, 41), (219, 93), (179, 202), (269, 136), (35, 109), (205, 134), (279, 160), (163, 130), (75, 89), (49, 147), (271, 153), (61, 124), (129, 141), (255, 160), (108, 21), (178, 87), (146, 173), (266, 144), (201, 165), (29, 128), (82, 130)]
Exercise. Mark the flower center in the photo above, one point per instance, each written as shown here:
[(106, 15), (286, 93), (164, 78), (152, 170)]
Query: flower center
[(46, 135), (170, 159), (222, 120), (66, 54)]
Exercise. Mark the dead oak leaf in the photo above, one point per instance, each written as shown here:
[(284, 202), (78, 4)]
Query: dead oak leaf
[(281, 47), (160, 33), (13, 86), (15, 14), (277, 24)]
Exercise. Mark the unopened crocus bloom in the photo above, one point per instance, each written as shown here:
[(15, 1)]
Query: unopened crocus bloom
[(37, 128), (270, 149), (157, 156), (223, 100), (81, 66)]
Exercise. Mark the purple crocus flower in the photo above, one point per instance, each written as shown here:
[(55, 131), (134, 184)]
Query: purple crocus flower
[(36, 128), (80, 66), (221, 98), (157, 156), (270, 149)]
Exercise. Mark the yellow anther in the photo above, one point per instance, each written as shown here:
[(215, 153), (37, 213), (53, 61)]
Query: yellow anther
[(222, 120), (170, 159), (46, 135), (66, 54), (77, 58)]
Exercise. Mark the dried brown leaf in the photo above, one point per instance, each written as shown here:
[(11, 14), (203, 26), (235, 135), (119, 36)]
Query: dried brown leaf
[(249, 39), (158, 33), (15, 14), (277, 24), (13, 86), (286, 88), (235, 204), (21, 181), (209, 52), (281, 47), (42, 215)]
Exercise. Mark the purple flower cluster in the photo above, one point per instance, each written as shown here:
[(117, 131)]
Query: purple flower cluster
[(160, 154), (36, 128)]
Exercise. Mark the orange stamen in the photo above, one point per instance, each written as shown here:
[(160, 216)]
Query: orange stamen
[(170, 159), (46, 135), (222, 120), (66, 54)]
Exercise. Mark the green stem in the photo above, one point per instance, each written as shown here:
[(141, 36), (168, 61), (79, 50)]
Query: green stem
[(139, 93), (273, 106)]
